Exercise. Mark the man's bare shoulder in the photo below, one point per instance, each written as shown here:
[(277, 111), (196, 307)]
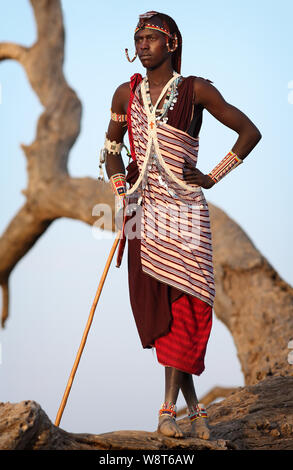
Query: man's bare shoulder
[(202, 86), (200, 82), (123, 90), (121, 97)]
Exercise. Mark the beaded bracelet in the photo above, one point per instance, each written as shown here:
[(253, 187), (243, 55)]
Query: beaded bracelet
[(118, 183), (229, 162)]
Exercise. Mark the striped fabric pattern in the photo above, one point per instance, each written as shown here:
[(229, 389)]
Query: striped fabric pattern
[(176, 241), (184, 347)]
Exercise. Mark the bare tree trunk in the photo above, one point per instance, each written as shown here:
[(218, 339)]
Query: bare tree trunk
[(252, 300), (51, 192)]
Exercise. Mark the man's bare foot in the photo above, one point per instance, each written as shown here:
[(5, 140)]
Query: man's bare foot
[(200, 429), (168, 426)]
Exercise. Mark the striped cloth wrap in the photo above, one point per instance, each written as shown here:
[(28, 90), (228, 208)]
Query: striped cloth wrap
[(176, 240)]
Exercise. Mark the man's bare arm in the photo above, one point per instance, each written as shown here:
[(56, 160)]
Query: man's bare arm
[(116, 130), (248, 134), (211, 99)]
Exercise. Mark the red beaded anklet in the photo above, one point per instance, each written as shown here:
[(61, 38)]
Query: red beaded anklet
[(168, 408)]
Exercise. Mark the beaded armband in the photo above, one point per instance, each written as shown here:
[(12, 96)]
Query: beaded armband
[(118, 117), (168, 408), (197, 411), (229, 162), (112, 146)]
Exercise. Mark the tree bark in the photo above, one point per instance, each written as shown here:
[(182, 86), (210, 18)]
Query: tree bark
[(255, 417)]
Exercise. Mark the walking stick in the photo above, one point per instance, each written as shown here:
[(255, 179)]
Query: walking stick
[(87, 328)]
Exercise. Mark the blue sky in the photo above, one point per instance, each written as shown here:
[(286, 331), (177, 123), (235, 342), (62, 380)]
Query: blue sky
[(245, 48)]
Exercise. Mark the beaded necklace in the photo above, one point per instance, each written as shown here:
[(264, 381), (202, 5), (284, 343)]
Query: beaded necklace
[(169, 102)]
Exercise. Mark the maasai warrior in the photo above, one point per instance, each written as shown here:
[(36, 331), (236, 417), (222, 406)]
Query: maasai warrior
[(170, 264)]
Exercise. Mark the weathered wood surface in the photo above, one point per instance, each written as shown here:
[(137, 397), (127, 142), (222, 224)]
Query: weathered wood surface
[(254, 417)]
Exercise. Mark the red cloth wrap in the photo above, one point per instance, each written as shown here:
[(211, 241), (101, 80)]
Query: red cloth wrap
[(134, 81), (184, 347)]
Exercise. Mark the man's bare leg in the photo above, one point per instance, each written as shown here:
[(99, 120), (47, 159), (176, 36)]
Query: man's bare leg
[(199, 427), (167, 425)]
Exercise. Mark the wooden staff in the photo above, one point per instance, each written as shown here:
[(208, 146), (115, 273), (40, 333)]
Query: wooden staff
[(87, 328)]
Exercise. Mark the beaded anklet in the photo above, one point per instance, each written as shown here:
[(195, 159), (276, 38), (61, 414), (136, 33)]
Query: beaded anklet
[(169, 409), (197, 411)]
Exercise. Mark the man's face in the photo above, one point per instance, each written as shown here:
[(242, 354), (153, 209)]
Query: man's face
[(151, 47)]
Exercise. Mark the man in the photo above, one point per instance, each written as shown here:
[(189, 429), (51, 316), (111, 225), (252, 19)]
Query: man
[(171, 277)]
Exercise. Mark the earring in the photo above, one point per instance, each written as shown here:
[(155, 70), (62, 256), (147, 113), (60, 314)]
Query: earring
[(127, 56), (175, 41)]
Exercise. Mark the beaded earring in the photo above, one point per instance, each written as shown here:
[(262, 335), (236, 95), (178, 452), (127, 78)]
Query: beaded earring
[(127, 56), (175, 41)]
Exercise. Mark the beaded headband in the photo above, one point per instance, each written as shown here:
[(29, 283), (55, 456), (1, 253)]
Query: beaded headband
[(143, 25), (152, 26)]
